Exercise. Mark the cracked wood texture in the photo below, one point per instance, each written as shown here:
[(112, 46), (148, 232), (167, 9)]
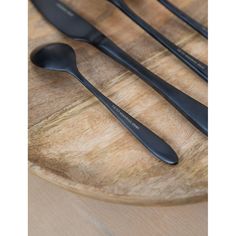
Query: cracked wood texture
[(76, 143)]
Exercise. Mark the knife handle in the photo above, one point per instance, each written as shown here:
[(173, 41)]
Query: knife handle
[(193, 110), (197, 66), (157, 146), (187, 19)]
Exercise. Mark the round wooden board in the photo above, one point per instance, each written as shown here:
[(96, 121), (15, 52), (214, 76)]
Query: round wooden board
[(76, 143)]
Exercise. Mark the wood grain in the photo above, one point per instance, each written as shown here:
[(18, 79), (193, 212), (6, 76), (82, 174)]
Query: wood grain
[(76, 143)]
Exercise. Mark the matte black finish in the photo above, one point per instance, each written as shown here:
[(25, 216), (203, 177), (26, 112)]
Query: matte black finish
[(186, 18), (197, 66), (77, 28), (61, 57)]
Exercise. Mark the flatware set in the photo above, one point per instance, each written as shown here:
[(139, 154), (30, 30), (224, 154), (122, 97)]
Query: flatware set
[(61, 57)]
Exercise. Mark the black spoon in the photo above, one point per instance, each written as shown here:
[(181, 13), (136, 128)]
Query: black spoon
[(186, 18), (61, 57), (74, 26), (197, 66)]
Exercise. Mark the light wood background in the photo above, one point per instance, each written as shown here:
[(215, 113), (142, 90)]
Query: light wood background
[(77, 144), (56, 212)]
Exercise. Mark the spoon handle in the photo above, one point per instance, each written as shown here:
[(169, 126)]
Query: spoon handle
[(193, 110), (186, 18), (157, 146), (197, 66)]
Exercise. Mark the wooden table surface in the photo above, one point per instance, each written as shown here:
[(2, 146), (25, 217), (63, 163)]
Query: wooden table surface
[(56, 212), (77, 144)]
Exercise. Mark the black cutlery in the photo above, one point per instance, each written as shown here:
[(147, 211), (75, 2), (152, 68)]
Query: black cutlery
[(61, 57), (197, 66), (74, 26), (186, 18)]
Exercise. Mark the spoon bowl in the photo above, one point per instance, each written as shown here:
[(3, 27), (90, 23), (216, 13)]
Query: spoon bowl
[(57, 57)]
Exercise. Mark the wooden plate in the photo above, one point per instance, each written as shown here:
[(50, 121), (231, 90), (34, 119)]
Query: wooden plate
[(76, 143)]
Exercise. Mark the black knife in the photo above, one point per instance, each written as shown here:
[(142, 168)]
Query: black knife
[(197, 66), (186, 18), (74, 26)]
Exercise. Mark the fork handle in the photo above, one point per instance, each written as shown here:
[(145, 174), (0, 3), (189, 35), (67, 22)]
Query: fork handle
[(193, 110), (186, 18), (196, 65)]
